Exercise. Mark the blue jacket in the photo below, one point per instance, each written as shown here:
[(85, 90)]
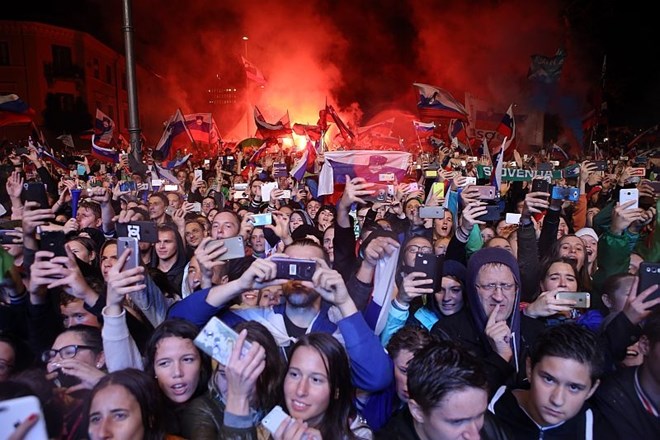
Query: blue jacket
[(371, 367)]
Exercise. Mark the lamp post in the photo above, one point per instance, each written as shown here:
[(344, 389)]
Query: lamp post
[(131, 81), (247, 100)]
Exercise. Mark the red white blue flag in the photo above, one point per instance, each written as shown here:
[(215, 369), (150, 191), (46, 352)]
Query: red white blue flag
[(104, 128), (253, 73), (176, 135), (267, 130), (15, 111), (434, 102), (507, 127), (305, 163)]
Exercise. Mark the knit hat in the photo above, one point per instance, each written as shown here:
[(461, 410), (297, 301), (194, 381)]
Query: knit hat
[(587, 231)]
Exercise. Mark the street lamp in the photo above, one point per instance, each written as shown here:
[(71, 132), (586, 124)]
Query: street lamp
[(246, 40)]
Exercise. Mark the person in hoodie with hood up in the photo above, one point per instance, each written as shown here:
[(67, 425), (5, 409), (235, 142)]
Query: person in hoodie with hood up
[(171, 257), (492, 326)]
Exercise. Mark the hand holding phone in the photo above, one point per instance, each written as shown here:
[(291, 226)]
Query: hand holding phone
[(274, 419), (217, 340), (294, 268)]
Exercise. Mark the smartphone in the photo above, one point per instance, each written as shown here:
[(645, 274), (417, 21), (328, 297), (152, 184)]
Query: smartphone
[(431, 212), (240, 186), (486, 192), (53, 241), (63, 380), (21, 151), (638, 172), (649, 274), (601, 165), (582, 299), (197, 207), (286, 194), (438, 188), (156, 183), (382, 192), (492, 214), (8, 238), (235, 248), (131, 243), (14, 411), (217, 340), (274, 419), (512, 218), (262, 219), (554, 163), (199, 174), (145, 231), (35, 192), (470, 181), (426, 263), (627, 194), (127, 186), (569, 193), (540, 185), (239, 195), (279, 169), (294, 268), (207, 161), (171, 187), (412, 187), (430, 174)]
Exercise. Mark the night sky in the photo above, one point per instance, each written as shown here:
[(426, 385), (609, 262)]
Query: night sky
[(367, 53)]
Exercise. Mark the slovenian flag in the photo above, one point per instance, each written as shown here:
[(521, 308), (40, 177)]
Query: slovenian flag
[(507, 127), (373, 165), (434, 102), (305, 163), (15, 111), (175, 135), (103, 153), (104, 128)]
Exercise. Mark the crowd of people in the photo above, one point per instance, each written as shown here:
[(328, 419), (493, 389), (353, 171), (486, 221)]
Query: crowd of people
[(542, 324)]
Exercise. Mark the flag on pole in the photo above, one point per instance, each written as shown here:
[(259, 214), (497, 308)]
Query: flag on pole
[(104, 128), (425, 128), (457, 130), (48, 155), (496, 176), (507, 127), (174, 136), (311, 131), (557, 149), (546, 69), (200, 126), (256, 156), (67, 140), (305, 163), (434, 102), (104, 154), (15, 111), (267, 130), (253, 73), (341, 125)]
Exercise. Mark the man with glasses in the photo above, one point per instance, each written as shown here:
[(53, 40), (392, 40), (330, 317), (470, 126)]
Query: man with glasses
[(492, 326)]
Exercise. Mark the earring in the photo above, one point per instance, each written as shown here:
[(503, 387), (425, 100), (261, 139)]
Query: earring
[(99, 365)]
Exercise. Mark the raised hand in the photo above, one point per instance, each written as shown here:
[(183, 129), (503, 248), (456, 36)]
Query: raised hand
[(499, 334)]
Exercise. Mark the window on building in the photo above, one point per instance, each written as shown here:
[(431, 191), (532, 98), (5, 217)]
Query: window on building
[(95, 68), (4, 53), (108, 74), (65, 101), (62, 61)]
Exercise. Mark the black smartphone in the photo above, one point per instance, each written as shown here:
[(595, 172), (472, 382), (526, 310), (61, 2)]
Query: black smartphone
[(294, 268), (493, 214), (53, 241), (649, 274), (63, 380), (428, 264), (146, 231), (35, 192), (540, 185), (6, 238), (601, 165)]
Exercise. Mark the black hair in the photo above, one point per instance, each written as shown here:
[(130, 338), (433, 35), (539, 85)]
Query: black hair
[(440, 369), (90, 336), (178, 328), (145, 391), (651, 327), (409, 337), (312, 243), (335, 423), (570, 341)]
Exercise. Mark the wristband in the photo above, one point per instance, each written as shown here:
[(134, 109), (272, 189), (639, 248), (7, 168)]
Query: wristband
[(401, 307)]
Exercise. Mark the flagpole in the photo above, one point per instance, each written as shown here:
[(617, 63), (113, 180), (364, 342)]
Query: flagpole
[(419, 140), (247, 89), (131, 82)]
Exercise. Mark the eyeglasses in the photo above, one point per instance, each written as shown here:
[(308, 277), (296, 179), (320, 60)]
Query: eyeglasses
[(67, 352), (505, 287), (414, 249)]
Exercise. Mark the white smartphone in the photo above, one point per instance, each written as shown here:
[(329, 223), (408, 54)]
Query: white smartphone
[(266, 189), (627, 194), (171, 187), (286, 194), (512, 218), (217, 340), (14, 411), (274, 419), (470, 180), (131, 243), (199, 174), (156, 183)]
